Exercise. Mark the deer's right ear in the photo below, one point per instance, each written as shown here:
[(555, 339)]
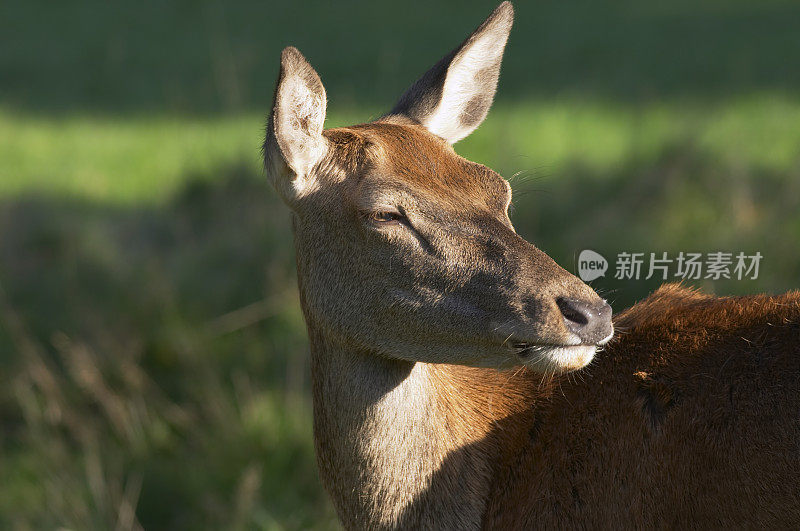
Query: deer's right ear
[(294, 143)]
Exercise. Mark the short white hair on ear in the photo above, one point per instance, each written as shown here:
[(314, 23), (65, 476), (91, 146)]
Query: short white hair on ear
[(294, 143), (452, 98)]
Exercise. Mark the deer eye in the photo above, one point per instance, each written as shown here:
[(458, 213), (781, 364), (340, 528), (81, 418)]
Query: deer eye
[(386, 217)]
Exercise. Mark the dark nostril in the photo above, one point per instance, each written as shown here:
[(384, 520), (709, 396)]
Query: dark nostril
[(591, 322), (573, 311)]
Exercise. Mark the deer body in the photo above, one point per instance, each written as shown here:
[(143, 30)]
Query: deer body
[(691, 419), (686, 420), (442, 342)]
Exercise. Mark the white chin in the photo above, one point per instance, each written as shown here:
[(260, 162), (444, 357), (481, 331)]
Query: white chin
[(561, 359)]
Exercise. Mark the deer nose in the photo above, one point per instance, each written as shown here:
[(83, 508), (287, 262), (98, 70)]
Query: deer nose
[(590, 321)]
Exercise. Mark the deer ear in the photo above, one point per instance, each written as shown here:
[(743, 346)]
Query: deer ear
[(294, 143), (452, 98)]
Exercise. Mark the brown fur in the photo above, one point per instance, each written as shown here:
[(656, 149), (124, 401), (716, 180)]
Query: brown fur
[(427, 460), (405, 153), (689, 419)]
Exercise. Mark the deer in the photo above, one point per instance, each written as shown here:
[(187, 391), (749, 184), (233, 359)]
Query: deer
[(462, 379)]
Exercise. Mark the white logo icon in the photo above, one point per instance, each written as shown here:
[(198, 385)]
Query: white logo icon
[(591, 265)]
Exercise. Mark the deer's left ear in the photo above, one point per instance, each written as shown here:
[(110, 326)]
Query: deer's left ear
[(452, 98)]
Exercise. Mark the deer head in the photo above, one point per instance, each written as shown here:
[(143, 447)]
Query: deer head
[(404, 248)]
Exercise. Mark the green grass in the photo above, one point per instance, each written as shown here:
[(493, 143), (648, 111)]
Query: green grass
[(153, 355), (149, 158), (149, 319), (212, 56), (156, 360)]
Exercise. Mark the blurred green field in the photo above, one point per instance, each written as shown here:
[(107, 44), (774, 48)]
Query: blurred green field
[(149, 158), (153, 355)]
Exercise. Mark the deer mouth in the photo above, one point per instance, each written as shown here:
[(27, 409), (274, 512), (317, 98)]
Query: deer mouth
[(559, 358), (526, 351)]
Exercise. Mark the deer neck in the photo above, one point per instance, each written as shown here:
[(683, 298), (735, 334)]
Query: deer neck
[(400, 444)]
